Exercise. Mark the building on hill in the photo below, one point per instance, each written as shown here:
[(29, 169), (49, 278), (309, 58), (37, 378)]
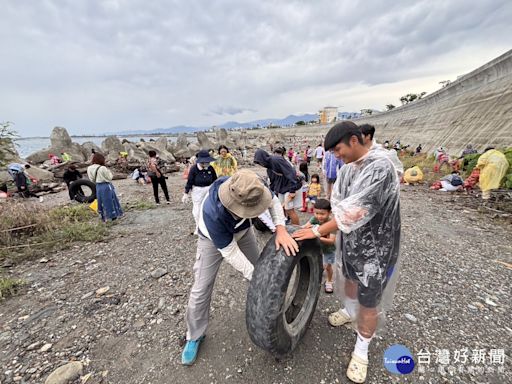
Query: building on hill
[(328, 115)]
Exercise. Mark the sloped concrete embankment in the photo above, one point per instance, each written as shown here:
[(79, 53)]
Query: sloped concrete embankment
[(475, 109)]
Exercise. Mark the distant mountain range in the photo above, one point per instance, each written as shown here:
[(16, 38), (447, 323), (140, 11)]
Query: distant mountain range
[(289, 120)]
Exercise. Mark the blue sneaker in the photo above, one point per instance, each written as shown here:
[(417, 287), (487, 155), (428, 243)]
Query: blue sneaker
[(189, 354)]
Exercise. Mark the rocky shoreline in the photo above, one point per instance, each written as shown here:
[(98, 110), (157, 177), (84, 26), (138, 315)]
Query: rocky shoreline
[(112, 311)]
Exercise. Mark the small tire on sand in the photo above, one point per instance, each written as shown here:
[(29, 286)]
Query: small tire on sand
[(282, 296), (75, 190)]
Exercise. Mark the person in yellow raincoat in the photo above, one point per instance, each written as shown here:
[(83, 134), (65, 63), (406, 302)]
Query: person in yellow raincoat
[(225, 164), (413, 175), (493, 166), (65, 156)]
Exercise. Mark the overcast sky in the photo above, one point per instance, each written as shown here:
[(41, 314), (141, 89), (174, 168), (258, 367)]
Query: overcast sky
[(96, 66)]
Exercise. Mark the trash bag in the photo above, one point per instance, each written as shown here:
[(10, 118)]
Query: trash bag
[(366, 206), (493, 166), (507, 182), (472, 180), (413, 175), (94, 205)]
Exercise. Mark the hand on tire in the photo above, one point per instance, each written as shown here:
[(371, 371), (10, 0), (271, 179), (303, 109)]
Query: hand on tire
[(283, 239), (303, 234), (185, 198)]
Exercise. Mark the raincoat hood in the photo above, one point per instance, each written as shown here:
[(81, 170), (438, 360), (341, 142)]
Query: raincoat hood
[(262, 157), (283, 177)]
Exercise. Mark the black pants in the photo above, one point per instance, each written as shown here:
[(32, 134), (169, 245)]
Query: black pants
[(21, 184), (159, 180), (72, 196)]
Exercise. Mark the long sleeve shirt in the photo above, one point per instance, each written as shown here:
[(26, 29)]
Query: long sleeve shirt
[(99, 174), (70, 176), (200, 177), (218, 224), (282, 175)]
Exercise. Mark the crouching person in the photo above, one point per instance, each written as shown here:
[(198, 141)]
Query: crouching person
[(225, 233)]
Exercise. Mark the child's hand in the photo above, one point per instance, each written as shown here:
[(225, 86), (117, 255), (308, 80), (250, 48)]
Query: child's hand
[(307, 225)]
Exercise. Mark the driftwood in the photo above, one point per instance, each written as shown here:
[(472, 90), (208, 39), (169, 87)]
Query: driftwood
[(27, 245), (18, 228)]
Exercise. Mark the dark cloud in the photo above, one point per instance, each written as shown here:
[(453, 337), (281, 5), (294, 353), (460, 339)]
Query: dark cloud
[(138, 64)]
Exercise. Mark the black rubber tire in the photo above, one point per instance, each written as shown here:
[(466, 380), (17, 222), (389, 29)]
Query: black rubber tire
[(77, 193), (274, 323)]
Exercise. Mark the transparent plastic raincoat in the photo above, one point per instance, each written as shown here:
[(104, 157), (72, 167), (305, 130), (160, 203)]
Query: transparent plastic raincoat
[(493, 166), (391, 154), (366, 206)]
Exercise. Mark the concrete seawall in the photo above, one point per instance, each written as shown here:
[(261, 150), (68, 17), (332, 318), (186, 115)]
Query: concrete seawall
[(475, 109)]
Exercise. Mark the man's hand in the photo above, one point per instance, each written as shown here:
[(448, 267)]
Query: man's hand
[(283, 239), (303, 234)]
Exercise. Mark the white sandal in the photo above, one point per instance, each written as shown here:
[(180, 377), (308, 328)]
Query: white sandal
[(357, 369), (338, 318)]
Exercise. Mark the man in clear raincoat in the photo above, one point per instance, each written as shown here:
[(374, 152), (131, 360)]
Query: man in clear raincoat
[(366, 208)]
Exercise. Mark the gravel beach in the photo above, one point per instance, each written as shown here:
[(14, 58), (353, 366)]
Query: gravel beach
[(117, 306)]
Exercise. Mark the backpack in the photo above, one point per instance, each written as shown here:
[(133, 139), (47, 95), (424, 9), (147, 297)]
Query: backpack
[(456, 180)]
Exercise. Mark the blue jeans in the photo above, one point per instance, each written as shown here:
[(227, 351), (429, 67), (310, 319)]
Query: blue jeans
[(108, 203)]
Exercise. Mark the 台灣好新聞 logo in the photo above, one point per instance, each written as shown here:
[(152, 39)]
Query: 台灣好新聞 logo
[(398, 360)]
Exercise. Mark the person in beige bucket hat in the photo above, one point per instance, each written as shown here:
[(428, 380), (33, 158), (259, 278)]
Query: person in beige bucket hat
[(225, 233), (245, 195)]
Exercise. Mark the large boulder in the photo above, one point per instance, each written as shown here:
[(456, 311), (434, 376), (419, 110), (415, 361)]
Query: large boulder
[(135, 154), (171, 147), (39, 157), (4, 176), (60, 142), (76, 152), (194, 148), (204, 141), (221, 136), (181, 142), (161, 144), (40, 174), (183, 153), (9, 151), (181, 149), (60, 138), (164, 154), (88, 146), (111, 147)]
